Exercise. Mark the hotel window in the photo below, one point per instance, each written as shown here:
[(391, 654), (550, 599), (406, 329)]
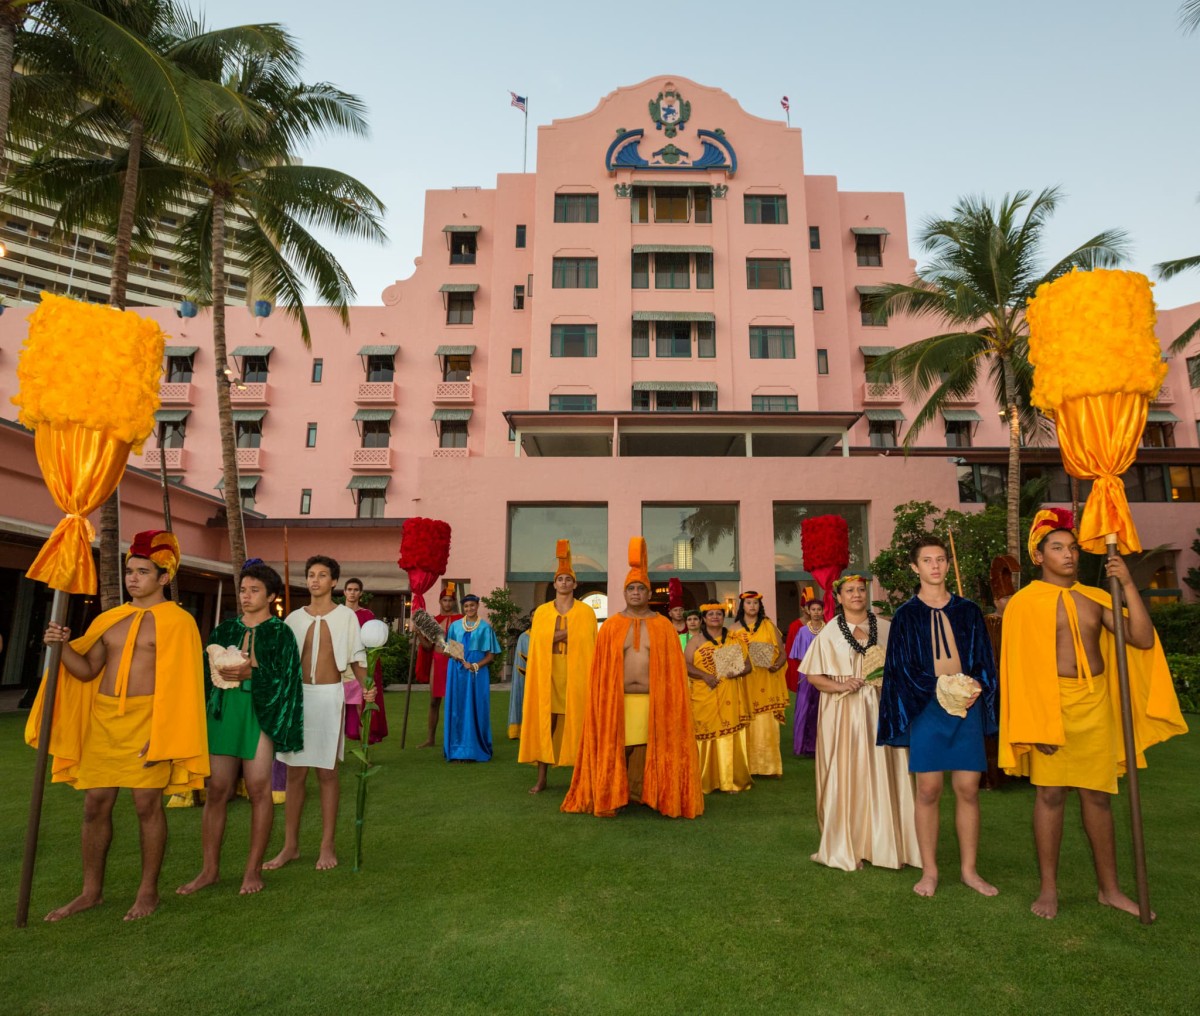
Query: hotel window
[(576, 208), (179, 368), (1193, 371), (882, 433), (873, 375), (704, 271), (248, 433), (460, 308), (516, 362), (572, 403), (701, 205), (822, 361), (1158, 434), (572, 340), (641, 271), (640, 346), (866, 310), (766, 209), (453, 434), (306, 501), (958, 434), (456, 367), (249, 495), (683, 401), (1185, 483), (981, 484), (672, 271), (673, 339), (868, 249), (520, 236), (318, 370), (171, 435), (376, 433), (463, 248), (310, 438), (814, 237), (706, 340), (254, 369), (381, 367), (774, 403), (574, 273), (518, 297), (639, 205), (773, 343), (640, 401), (818, 298), (768, 273), (1145, 484), (371, 504), (670, 204)]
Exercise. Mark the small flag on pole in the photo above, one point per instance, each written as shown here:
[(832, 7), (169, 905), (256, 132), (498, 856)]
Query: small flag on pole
[(519, 101), (783, 102)]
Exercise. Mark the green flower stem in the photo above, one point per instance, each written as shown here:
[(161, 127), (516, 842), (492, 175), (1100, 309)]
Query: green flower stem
[(363, 754)]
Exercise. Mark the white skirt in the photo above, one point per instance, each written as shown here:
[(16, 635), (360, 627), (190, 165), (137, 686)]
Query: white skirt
[(324, 726)]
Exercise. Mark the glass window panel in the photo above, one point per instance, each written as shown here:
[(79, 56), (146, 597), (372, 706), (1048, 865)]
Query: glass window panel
[(517, 361), (305, 501), (672, 271), (376, 433), (248, 433), (706, 339), (788, 516), (254, 369), (766, 209), (456, 368), (572, 340), (814, 237), (462, 248), (576, 208), (704, 271), (530, 551), (520, 236), (639, 205), (381, 368), (318, 370), (572, 403), (702, 204), (641, 271), (574, 273), (772, 343), (641, 339), (774, 403), (310, 438), (371, 504), (673, 339), (518, 297), (179, 369), (818, 294), (670, 205), (822, 361), (673, 402), (707, 532), (460, 308), (453, 434), (869, 251), (640, 401)]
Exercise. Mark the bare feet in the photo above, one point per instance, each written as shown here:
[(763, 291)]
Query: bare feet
[(1119, 901), (538, 787), (143, 906), (1046, 905), (984, 888), (325, 860), (251, 883), (81, 902), (927, 886), (205, 878), (427, 744), (279, 860)]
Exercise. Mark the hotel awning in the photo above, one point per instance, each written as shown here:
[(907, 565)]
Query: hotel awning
[(459, 287), (249, 483), (884, 415), (451, 415), (674, 386), (671, 248), (673, 315), (671, 183), (961, 416), (252, 351), (876, 350), (869, 231), (461, 229), (368, 483), (171, 415), (454, 351), (373, 415), (247, 415), (379, 351), (870, 290), (180, 350), (1161, 416)]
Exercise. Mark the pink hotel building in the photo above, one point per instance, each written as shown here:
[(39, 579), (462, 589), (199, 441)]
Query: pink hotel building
[(658, 331)]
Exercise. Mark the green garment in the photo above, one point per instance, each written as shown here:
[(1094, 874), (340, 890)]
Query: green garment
[(275, 684)]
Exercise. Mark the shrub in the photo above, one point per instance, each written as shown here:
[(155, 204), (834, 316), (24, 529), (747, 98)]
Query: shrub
[(1186, 672), (394, 659), (1178, 627)]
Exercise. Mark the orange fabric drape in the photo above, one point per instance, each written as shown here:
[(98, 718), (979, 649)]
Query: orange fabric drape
[(1098, 436), (81, 467)]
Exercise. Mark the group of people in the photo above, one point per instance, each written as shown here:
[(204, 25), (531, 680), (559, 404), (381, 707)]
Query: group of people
[(642, 708)]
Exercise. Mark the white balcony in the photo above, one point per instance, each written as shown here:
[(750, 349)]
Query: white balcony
[(253, 393), (376, 393), (371, 458), (249, 460), (455, 392), (175, 459), (175, 393)]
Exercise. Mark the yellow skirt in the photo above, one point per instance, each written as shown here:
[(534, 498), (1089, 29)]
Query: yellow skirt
[(111, 749), (723, 764), (1088, 758), (762, 745), (637, 718)]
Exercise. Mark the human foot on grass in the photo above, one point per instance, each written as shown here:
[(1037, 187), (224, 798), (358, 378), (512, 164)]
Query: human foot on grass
[(145, 904), (326, 859), (201, 881), (1119, 901), (927, 886), (1046, 905), (251, 883), (426, 744), (284, 856), (972, 880), (82, 902)]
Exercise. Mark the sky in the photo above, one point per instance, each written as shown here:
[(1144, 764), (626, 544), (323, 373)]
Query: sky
[(934, 98)]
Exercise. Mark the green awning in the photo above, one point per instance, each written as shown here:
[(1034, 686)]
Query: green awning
[(379, 351), (674, 386), (373, 414), (180, 350), (1161, 416), (368, 483), (876, 350), (454, 351), (961, 416), (459, 287), (461, 229), (249, 483), (247, 415), (671, 248), (252, 351), (869, 231), (672, 183), (171, 415), (870, 290), (451, 415), (673, 315), (884, 415)]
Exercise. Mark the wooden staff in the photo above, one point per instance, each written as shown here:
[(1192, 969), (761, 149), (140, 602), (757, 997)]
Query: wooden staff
[(287, 576), (1131, 773), (954, 558), (413, 641)]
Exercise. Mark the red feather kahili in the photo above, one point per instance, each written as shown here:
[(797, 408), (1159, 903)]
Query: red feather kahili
[(424, 552), (825, 540)]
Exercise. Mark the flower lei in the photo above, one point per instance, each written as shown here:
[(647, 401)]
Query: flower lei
[(872, 633)]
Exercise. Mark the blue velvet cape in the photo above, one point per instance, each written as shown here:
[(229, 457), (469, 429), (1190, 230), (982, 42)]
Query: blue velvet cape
[(909, 681)]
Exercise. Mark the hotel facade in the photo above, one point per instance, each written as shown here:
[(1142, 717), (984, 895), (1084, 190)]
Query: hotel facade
[(659, 331)]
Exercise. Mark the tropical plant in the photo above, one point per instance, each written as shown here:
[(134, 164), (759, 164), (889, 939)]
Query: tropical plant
[(502, 616), (1192, 578), (985, 263), (1189, 16)]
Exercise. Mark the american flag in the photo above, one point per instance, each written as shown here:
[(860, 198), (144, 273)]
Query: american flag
[(785, 104), (519, 101)]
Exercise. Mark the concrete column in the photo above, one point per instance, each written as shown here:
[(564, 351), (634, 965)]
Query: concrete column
[(624, 522), (756, 549)]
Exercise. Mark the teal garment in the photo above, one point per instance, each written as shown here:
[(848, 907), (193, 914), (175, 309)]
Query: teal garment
[(275, 684)]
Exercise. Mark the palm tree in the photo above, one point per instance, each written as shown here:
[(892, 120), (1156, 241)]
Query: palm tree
[(984, 266), (1189, 16), (250, 170)]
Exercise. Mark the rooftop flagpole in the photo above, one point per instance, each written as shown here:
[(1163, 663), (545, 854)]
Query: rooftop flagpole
[(787, 109), (521, 102)]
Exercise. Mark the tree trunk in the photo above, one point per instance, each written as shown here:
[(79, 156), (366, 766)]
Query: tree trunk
[(166, 493), (1013, 487), (9, 19), (229, 469), (110, 511)]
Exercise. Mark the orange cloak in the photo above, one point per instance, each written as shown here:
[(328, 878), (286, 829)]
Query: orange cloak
[(671, 785), (536, 742), (178, 728), (1030, 709)]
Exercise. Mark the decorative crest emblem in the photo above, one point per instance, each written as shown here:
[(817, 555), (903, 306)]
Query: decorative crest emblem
[(670, 112)]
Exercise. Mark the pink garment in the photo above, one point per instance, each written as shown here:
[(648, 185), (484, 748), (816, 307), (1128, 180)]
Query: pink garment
[(354, 698)]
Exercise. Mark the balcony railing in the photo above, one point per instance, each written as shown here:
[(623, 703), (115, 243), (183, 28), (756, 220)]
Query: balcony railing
[(454, 391), (250, 460), (175, 393), (876, 392), (175, 459), (1165, 396), (969, 398), (376, 392), (371, 458), (251, 393), (451, 453)]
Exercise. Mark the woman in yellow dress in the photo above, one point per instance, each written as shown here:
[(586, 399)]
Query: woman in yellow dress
[(765, 686)]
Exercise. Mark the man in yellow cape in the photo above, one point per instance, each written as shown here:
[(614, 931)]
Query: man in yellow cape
[(129, 712), (562, 642), (638, 742), (1060, 720)]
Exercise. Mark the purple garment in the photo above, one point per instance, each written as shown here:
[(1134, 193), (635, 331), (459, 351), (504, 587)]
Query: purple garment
[(808, 700)]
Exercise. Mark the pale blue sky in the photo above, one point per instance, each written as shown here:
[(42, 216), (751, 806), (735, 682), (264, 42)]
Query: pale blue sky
[(934, 98)]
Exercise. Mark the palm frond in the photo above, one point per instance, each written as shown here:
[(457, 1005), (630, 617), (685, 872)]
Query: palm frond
[(1189, 16), (1181, 343), (1169, 269)]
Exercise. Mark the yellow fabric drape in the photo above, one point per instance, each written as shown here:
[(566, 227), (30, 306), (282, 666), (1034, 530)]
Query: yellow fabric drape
[(81, 467), (536, 741), (1098, 436)]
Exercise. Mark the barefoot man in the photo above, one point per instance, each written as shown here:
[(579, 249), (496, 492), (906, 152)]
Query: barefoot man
[(327, 635), (1059, 701), (562, 642), (937, 634), (431, 664), (129, 713), (248, 723)]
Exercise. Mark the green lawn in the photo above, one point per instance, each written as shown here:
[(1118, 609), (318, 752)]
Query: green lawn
[(477, 898)]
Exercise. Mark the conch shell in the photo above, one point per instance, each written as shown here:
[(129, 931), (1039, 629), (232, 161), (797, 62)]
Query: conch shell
[(224, 656), (954, 691)]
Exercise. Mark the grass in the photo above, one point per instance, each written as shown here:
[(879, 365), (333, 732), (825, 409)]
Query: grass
[(477, 898)]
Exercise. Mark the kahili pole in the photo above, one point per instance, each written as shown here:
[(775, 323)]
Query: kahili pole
[(413, 641), (954, 557)]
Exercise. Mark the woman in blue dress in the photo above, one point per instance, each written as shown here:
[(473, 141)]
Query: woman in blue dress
[(467, 734)]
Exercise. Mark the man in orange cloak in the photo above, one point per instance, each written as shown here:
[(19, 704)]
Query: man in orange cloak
[(638, 743), (129, 713)]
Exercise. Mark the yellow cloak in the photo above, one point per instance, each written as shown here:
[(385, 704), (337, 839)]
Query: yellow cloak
[(536, 742), (1030, 711), (178, 728)]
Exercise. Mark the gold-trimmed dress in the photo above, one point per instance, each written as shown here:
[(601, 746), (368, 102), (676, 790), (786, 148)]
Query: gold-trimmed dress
[(720, 726), (767, 694)]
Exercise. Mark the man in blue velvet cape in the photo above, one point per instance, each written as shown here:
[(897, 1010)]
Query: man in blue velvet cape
[(938, 634)]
